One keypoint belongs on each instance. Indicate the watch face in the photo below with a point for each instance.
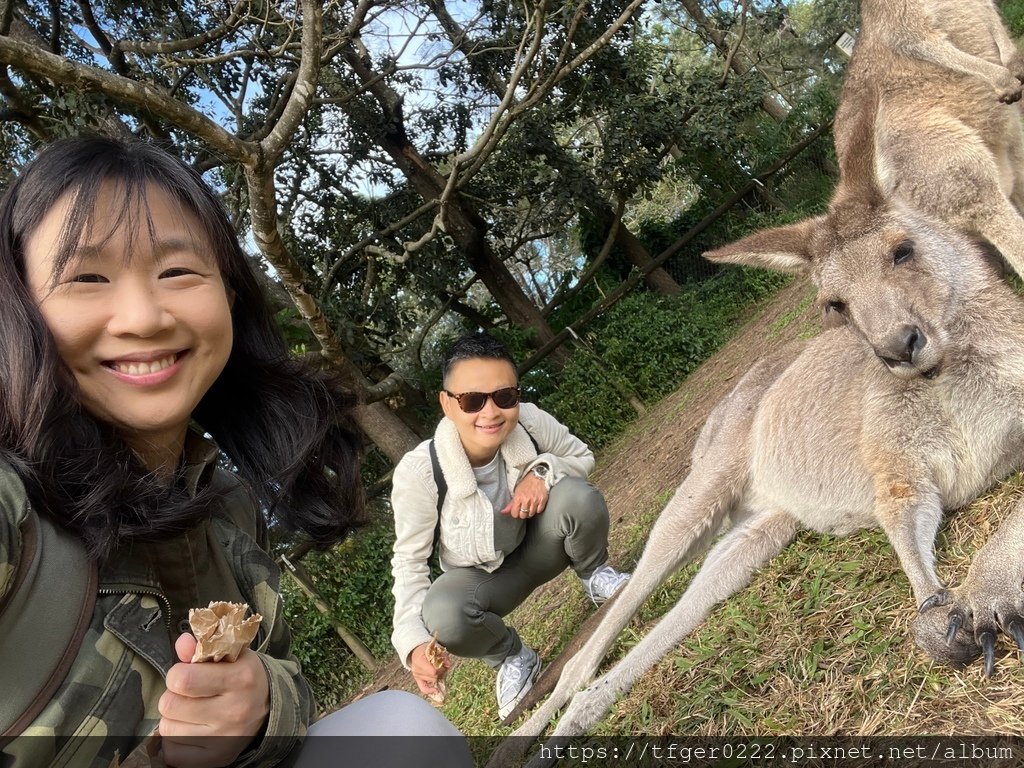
(541, 470)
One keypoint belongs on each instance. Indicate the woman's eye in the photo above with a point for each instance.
(176, 272)
(88, 278)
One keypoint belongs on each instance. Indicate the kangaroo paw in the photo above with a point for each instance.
(1016, 66)
(969, 627)
(1007, 87)
(947, 636)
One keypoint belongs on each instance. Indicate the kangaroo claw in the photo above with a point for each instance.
(1018, 634)
(987, 641)
(939, 598)
(956, 620)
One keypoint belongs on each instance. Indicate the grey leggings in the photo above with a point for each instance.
(390, 729)
(465, 606)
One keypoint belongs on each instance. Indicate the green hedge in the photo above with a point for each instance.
(354, 579)
(648, 344)
(1013, 14)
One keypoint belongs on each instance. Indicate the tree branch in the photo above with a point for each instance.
(304, 88)
(185, 44)
(27, 58)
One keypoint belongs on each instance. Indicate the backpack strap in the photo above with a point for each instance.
(43, 620)
(442, 491)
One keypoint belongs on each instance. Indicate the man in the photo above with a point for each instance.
(509, 484)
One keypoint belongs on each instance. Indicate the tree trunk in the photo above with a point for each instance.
(386, 430)
(658, 279)
(636, 253)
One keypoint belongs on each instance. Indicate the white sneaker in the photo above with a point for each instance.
(603, 583)
(516, 676)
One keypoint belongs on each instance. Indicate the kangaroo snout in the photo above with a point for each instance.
(901, 346)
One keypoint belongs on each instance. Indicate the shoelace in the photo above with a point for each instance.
(514, 673)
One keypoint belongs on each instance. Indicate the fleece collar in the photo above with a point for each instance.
(517, 451)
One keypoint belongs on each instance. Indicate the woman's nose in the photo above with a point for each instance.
(138, 311)
(490, 409)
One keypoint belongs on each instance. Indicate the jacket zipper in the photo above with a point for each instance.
(144, 591)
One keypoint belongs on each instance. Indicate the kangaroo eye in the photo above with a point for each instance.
(903, 252)
(835, 306)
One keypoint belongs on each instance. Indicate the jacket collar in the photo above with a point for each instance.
(198, 460)
(517, 451)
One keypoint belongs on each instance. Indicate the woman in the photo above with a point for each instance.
(501, 493)
(133, 324)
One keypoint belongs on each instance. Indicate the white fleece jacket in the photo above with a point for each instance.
(467, 517)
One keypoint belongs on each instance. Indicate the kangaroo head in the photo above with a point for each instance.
(894, 277)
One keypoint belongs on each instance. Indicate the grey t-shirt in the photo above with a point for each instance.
(492, 480)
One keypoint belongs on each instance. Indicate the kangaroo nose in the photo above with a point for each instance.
(903, 345)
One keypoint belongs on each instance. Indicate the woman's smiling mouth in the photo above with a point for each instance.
(145, 368)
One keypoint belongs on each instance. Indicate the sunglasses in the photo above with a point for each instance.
(471, 402)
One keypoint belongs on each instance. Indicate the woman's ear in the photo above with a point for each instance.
(447, 403)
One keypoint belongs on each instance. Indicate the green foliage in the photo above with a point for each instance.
(647, 344)
(598, 412)
(1013, 14)
(354, 579)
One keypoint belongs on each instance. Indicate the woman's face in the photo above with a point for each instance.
(143, 320)
(483, 432)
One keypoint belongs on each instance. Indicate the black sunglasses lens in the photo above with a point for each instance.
(471, 402)
(506, 398)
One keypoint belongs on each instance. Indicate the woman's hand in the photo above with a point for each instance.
(529, 498)
(424, 673)
(223, 699)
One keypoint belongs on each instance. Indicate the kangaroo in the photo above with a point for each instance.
(908, 405)
(936, 71)
(913, 405)
(964, 36)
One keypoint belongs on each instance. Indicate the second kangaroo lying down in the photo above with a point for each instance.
(931, 72)
(914, 405)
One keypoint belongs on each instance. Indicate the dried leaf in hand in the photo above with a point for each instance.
(439, 658)
(222, 631)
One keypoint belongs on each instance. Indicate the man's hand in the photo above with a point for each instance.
(529, 498)
(423, 672)
(222, 699)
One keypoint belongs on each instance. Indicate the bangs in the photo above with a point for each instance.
(99, 210)
(106, 193)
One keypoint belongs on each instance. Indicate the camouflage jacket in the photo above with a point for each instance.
(108, 701)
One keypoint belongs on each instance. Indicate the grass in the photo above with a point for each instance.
(783, 321)
(818, 644)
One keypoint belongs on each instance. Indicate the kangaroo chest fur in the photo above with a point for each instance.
(821, 452)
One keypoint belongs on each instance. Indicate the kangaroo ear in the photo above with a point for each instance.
(785, 248)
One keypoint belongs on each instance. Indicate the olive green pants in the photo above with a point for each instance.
(465, 606)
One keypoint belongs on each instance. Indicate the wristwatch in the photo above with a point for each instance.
(543, 471)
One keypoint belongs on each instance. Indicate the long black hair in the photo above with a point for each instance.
(287, 427)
